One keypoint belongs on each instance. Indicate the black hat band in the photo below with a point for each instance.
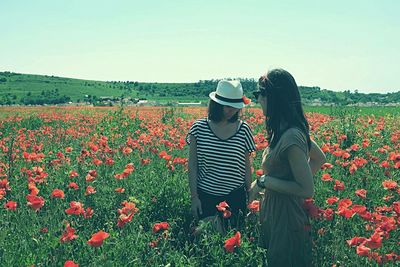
(230, 100)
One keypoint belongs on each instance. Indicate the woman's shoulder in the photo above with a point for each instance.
(245, 125)
(293, 136)
(293, 132)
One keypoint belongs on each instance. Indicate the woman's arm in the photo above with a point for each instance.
(192, 167)
(317, 158)
(248, 171)
(303, 186)
(192, 170)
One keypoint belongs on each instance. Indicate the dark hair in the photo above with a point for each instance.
(283, 103)
(216, 112)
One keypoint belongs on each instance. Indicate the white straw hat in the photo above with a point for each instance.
(229, 93)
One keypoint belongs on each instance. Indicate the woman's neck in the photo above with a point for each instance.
(222, 122)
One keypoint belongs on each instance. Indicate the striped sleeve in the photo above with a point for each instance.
(194, 130)
(249, 139)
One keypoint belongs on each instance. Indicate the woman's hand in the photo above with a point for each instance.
(196, 207)
(254, 191)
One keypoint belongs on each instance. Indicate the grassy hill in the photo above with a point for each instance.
(16, 88)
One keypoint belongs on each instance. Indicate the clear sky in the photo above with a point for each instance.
(338, 45)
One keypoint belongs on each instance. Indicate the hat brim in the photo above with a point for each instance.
(234, 105)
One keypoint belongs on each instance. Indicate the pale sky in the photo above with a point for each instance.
(336, 45)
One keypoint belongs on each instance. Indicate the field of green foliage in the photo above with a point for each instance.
(109, 187)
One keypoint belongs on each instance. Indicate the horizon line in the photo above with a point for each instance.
(183, 82)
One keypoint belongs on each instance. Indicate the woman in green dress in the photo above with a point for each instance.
(289, 163)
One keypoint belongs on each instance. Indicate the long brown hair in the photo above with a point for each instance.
(283, 104)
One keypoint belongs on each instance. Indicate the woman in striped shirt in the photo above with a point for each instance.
(219, 156)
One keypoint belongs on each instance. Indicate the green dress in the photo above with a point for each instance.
(285, 229)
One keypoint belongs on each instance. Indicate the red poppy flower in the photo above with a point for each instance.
(90, 178)
(33, 189)
(385, 164)
(343, 208)
(328, 214)
(57, 193)
(109, 161)
(73, 174)
(327, 165)
(35, 202)
(396, 207)
(126, 150)
(129, 168)
(346, 155)
(332, 200)
(68, 235)
(119, 190)
(345, 203)
(145, 161)
(70, 263)
(375, 241)
(160, 226)
(97, 162)
(88, 213)
(254, 206)
(73, 185)
(363, 250)
(355, 241)
(75, 207)
(339, 186)
(360, 209)
(397, 165)
(391, 256)
(5, 184)
(246, 100)
(226, 214)
(326, 177)
(365, 143)
(362, 193)
(97, 239)
(353, 168)
(389, 184)
(222, 206)
(92, 173)
(2, 193)
(345, 212)
(232, 242)
(355, 147)
(10, 205)
(126, 213)
(90, 190)
(259, 172)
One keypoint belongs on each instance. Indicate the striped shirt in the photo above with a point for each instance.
(221, 164)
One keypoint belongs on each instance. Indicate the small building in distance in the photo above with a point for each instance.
(190, 104)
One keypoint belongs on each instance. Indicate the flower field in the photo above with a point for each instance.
(109, 187)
